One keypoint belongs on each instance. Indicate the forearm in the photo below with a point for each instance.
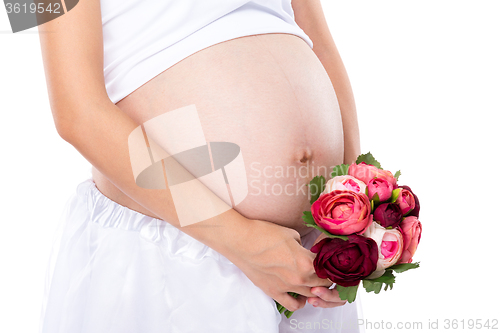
(85, 117)
(100, 132)
(270, 255)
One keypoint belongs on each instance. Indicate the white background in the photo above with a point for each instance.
(426, 79)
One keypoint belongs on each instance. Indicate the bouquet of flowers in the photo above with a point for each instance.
(371, 224)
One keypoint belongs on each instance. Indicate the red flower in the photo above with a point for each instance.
(345, 262)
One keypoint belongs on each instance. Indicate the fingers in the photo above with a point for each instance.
(295, 235)
(307, 268)
(326, 298)
(291, 303)
(318, 302)
(315, 281)
(302, 290)
(323, 293)
(329, 295)
(308, 278)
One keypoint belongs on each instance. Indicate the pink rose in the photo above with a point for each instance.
(381, 187)
(366, 172)
(345, 183)
(415, 211)
(390, 247)
(411, 228)
(342, 212)
(406, 201)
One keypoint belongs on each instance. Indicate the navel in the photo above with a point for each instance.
(305, 155)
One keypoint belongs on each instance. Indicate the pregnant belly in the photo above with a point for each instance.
(270, 95)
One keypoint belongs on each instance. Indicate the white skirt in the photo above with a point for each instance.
(114, 270)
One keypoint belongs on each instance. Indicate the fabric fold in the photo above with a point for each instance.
(115, 270)
(109, 214)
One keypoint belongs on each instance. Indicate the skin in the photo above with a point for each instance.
(85, 117)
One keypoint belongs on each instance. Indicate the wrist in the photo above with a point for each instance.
(251, 238)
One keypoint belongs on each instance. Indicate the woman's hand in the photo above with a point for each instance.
(272, 257)
(325, 297)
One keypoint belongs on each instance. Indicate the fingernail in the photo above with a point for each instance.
(315, 303)
(316, 292)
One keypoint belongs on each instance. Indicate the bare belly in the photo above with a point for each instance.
(270, 95)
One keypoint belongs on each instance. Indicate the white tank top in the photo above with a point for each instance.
(143, 38)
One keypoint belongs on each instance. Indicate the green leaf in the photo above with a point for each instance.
(347, 293)
(309, 221)
(368, 159)
(315, 226)
(316, 186)
(344, 238)
(397, 174)
(340, 170)
(403, 267)
(308, 218)
(375, 201)
(372, 286)
(376, 285)
(387, 277)
(395, 195)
